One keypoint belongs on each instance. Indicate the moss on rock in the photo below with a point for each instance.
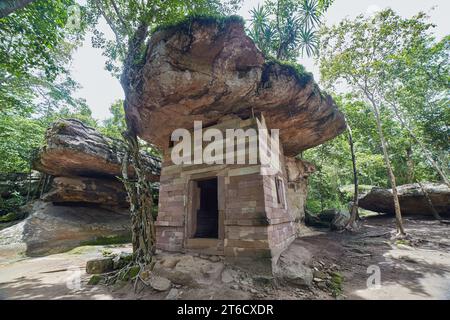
(185, 23)
(296, 70)
(101, 241)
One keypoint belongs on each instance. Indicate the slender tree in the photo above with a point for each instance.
(354, 209)
(355, 52)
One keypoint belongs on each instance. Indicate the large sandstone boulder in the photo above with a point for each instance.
(74, 149)
(204, 69)
(80, 190)
(412, 199)
(53, 229)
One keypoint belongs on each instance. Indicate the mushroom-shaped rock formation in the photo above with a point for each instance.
(203, 69)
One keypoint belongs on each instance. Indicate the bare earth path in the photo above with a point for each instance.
(415, 269)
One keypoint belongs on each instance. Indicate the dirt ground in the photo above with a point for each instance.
(417, 268)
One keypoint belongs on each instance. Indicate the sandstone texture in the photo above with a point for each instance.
(412, 199)
(105, 192)
(53, 229)
(74, 149)
(203, 70)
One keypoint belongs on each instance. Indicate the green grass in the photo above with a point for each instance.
(185, 23)
(295, 69)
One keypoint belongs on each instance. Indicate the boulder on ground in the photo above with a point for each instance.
(99, 266)
(412, 199)
(53, 229)
(104, 192)
(74, 149)
(334, 219)
(340, 220)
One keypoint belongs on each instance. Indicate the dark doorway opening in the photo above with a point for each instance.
(207, 225)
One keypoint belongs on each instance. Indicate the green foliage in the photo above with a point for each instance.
(12, 216)
(396, 64)
(35, 48)
(126, 16)
(30, 35)
(333, 160)
(35, 84)
(9, 207)
(115, 125)
(18, 137)
(336, 282)
(186, 22)
(95, 279)
(287, 28)
(295, 69)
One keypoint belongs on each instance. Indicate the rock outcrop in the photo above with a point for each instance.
(298, 172)
(331, 218)
(103, 192)
(294, 266)
(53, 229)
(86, 202)
(412, 199)
(74, 149)
(204, 69)
(85, 165)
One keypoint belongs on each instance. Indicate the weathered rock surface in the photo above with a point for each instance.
(187, 270)
(74, 149)
(104, 192)
(411, 197)
(99, 266)
(298, 172)
(203, 70)
(53, 229)
(331, 218)
(293, 266)
(160, 283)
(340, 220)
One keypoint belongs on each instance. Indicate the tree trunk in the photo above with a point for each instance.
(430, 203)
(354, 210)
(9, 6)
(398, 214)
(409, 165)
(139, 192)
(426, 152)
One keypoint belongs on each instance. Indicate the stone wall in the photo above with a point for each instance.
(254, 220)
